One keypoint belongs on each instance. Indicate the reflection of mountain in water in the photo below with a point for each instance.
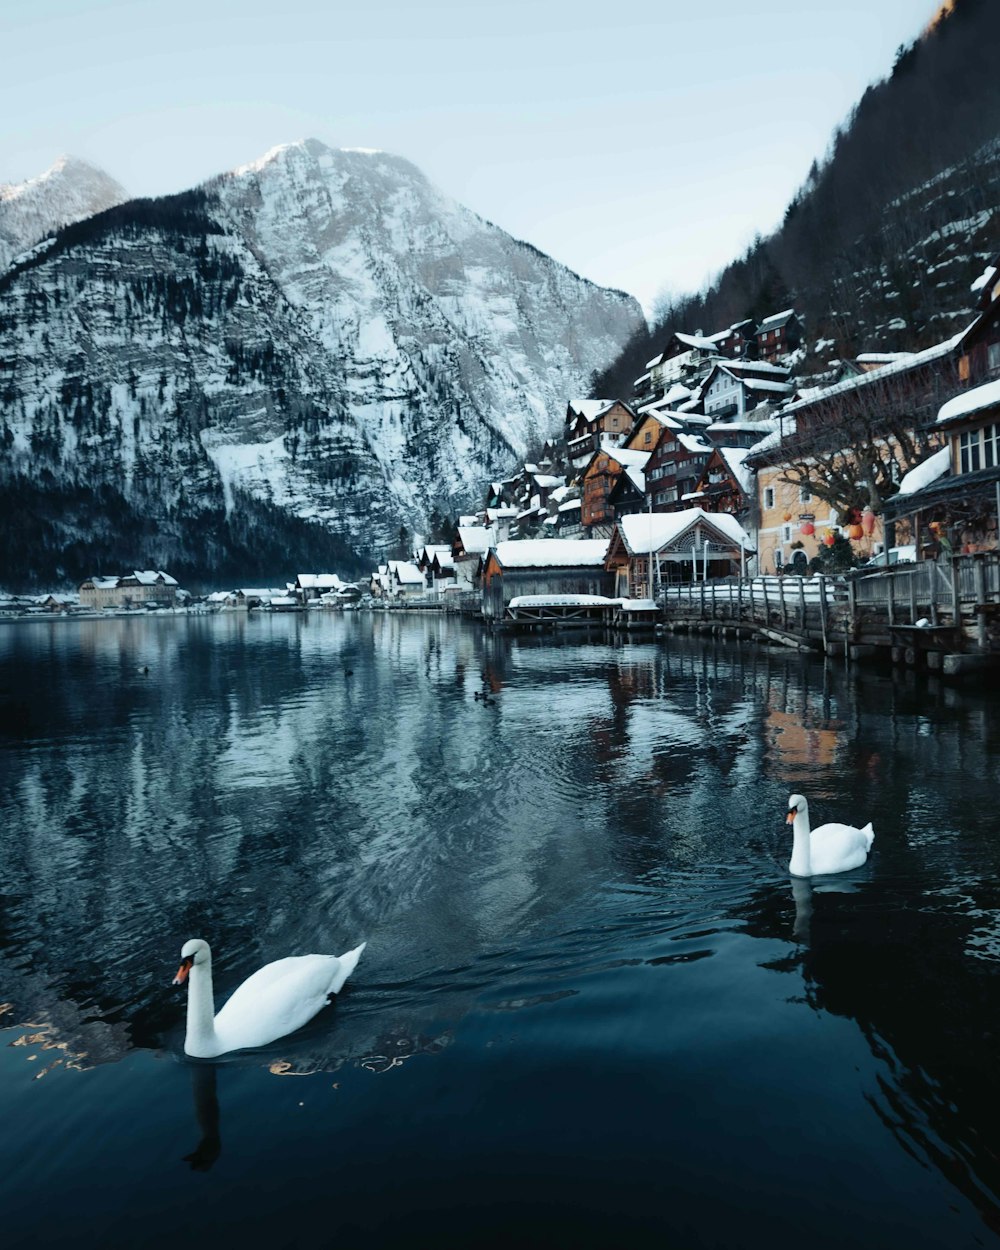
(245, 791)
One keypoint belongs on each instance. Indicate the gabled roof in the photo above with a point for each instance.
(968, 403)
(476, 539)
(589, 409)
(734, 458)
(929, 470)
(543, 553)
(647, 532)
(695, 444)
(776, 320)
(876, 376)
(406, 574)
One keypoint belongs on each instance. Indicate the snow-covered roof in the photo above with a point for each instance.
(570, 505)
(589, 408)
(149, 577)
(970, 402)
(539, 553)
(696, 341)
(645, 532)
(545, 480)
(784, 429)
(661, 411)
(561, 601)
(318, 581)
(694, 443)
(627, 457)
(876, 376)
(282, 601)
(776, 319)
(927, 471)
(984, 279)
(734, 457)
(476, 539)
(407, 574)
(637, 477)
(722, 428)
(104, 583)
(881, 358)
(764, 385)
(260, 592)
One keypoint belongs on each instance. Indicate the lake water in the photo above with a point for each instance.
(594, 1009)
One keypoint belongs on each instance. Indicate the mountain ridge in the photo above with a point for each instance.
(320, 336)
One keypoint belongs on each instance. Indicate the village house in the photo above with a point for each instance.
(141, 588)
(313, 586)
(591, 422)
(469, 547)
(790, 518)
(649, 551)
(779, 335)
(952, 500)
(549, 566)
(600, 475)
(735, 388)
(726, 484)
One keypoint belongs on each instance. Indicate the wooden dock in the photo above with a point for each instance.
(938, 615)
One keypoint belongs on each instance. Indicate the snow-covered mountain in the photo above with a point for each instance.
(69, 191)
(286, 364)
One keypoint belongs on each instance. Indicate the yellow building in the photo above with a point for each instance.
(784, 510)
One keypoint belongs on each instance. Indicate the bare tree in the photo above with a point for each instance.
(852, 446)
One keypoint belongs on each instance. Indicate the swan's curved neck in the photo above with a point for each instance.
(801, 864)
(200, 1037)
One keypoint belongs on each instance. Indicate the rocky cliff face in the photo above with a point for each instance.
(68, 192)
(280, 368)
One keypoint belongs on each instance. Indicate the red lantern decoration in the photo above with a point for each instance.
(788, 516)
(854, 532)
(829, 538)
(808, 528)
(868, 521)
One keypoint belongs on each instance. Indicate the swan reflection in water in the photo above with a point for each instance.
(803, 890)
(206, 1111)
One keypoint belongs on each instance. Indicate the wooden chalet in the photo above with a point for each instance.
(725, 484)
(546, 567)
(589, 422)
(599, 477)
(778, 335)
(649, 551)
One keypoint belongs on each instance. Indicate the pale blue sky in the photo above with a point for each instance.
(643, 144)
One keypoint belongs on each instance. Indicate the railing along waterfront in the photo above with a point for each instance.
(863, 606)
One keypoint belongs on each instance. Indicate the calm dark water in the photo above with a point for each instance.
(594, 1010)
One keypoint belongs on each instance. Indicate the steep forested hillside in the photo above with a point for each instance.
(881, 243)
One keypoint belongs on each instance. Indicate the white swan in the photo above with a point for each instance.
(277, 999)
(828, 849)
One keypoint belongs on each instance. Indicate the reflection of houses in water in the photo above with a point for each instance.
(800, 747)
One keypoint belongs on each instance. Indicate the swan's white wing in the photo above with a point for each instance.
(277, 999)
(838, 848)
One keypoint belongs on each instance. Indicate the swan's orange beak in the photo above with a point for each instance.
(790, 818)
(183, 971)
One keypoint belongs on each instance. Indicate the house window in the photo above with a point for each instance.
(979, 449)
(769, 497)
(786, 533)
(993, 356)
(805, 496)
